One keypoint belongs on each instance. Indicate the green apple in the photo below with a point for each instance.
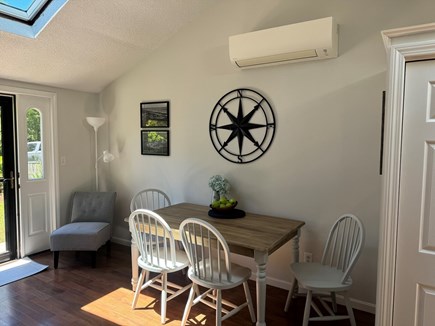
(223, 200)
(232, 201)
(215, 204)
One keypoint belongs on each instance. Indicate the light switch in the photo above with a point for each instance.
(63, 160)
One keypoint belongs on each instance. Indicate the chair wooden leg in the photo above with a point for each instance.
(290, 294)
(219, 308)
(163, 298)
(349, 309)
(249, 300)
(189, 303)
(138, 289)
(334, 302)
(94, 259)
(307, 308)
(56, 259)
(108, 248)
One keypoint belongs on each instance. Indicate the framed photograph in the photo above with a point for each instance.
(154, 114)
(155, 142)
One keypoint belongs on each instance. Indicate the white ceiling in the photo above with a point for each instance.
(88, 44)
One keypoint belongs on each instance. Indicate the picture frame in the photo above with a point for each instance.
(155, 142)
(154, 114)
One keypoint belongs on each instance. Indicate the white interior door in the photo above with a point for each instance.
(36, 172)
(414, 299)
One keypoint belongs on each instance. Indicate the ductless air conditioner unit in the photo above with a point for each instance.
(311, 40)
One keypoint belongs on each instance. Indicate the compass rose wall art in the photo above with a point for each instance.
(242, 126)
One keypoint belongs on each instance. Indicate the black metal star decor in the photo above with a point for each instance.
(242, 126)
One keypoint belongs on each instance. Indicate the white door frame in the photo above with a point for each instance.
(54, 172)
(402, 45)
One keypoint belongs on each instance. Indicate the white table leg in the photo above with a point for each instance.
(261, 261)
(295, 288)
(296, 247)
(134, 266)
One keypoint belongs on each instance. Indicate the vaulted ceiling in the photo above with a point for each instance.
(88, 44)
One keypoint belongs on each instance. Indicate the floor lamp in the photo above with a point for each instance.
(97, 122)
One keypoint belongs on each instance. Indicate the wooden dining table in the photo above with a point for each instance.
(254, 235)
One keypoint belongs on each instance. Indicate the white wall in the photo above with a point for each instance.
(75, 140)
(325, 157)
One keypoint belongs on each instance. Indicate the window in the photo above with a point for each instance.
(24, 10)
(27, 17)
(35, 154)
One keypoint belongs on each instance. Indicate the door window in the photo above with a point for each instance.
(35, 154)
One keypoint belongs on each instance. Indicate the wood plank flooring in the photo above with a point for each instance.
(76, 294)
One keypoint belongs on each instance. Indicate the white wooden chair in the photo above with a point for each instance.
(151, 199)
(158, 254)
(332, 274)
(210, 267)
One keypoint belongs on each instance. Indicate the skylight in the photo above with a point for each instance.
(27, 17)
(24, 10)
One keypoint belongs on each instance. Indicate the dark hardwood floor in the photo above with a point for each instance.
(76, 294)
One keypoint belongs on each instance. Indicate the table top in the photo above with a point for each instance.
(244, 235)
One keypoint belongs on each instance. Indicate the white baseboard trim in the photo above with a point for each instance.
(121, 241)
(276, 282)
(358, 304)
(363, 306)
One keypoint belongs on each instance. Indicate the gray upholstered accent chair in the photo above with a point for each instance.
(90, 227)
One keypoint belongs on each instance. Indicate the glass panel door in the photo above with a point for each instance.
(8, 220)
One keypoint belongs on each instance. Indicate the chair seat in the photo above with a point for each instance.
(315, 276)
(239, 274)
(159, 262)
(80, 236)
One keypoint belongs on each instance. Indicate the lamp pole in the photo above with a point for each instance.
(96, 158)
(96, 122)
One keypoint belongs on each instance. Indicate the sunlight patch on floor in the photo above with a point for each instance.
(115, 307)
(199, 319)
(13, 263)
